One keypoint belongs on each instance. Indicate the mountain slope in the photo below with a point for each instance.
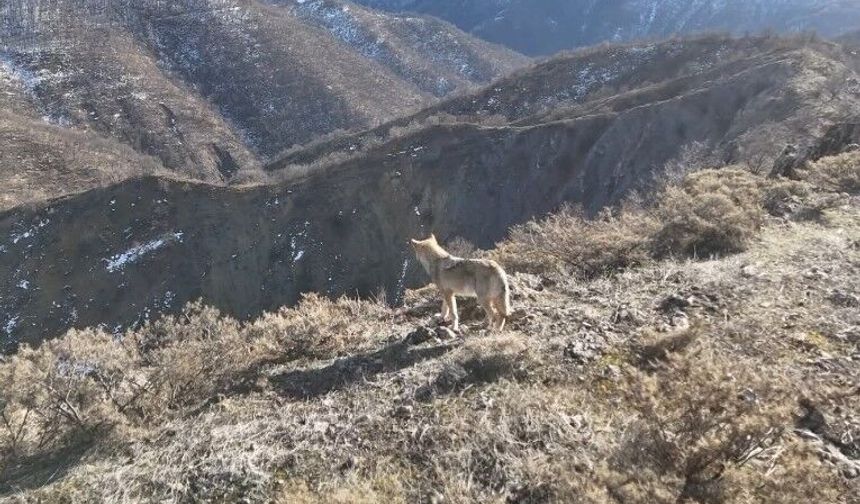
(104, 82)
(547, 26)
(339, 226)
(211, 88)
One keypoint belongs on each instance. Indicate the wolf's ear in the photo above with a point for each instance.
(432, 236)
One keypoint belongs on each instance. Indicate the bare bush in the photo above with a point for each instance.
(711, 212)
(702, 415)
(568, 241)
(708, 212)
(836, 173)
(321, 328)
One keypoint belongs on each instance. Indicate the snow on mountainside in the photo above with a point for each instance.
(210, 88)
(546, 26)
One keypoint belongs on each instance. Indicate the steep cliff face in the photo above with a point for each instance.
(547, 26)
(122, 254)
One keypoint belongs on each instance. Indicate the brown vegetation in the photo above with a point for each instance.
(709, 213)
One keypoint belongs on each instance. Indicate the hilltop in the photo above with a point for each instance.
(702, 347)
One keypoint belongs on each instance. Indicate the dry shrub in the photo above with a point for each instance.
(321, 328)
(69, 388)
(711, 212)
(781, 194)
(652, 351)
(382, 485)
(708, 425)
(522, 442)
(461, 247)
(836, 173)
(568, 241)
(189, 357)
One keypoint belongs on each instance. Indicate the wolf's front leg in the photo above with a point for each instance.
(452, 303)
(446, 308)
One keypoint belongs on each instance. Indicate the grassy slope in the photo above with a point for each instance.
(732, 379)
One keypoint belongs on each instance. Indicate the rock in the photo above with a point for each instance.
(787, 163)
(625, 314)
(419, 336)
(674, 303)
(813, 419)
(580, 352)
(850, 335)
(844, 299)
(403, 411)
(445, 333)
(680, 320)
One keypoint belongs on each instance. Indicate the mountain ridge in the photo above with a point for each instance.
(547, 26)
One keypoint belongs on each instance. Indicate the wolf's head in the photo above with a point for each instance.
(428, 250)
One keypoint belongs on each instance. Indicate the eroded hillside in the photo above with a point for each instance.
(635, 369)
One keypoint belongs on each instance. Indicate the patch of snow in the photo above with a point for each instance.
(341, 23)
(11, 324)
(401, 281)
(24, 284)
(19, 74)
(29, 81)
(29, 232)
(118, 262)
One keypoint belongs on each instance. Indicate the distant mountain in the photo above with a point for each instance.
(210, 88)
(547, 26)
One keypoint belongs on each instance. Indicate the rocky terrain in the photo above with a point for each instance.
(209, 90)
(325, 225)
(548, 26)
(701, 348)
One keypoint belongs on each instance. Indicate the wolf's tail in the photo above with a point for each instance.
(506, 305)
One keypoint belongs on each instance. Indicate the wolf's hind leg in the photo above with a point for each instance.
(499, 307)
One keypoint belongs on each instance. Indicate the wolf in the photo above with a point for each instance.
(455, 276)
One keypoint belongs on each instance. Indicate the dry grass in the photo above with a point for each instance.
(838, 173)
(91, 381)
(709, 213)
